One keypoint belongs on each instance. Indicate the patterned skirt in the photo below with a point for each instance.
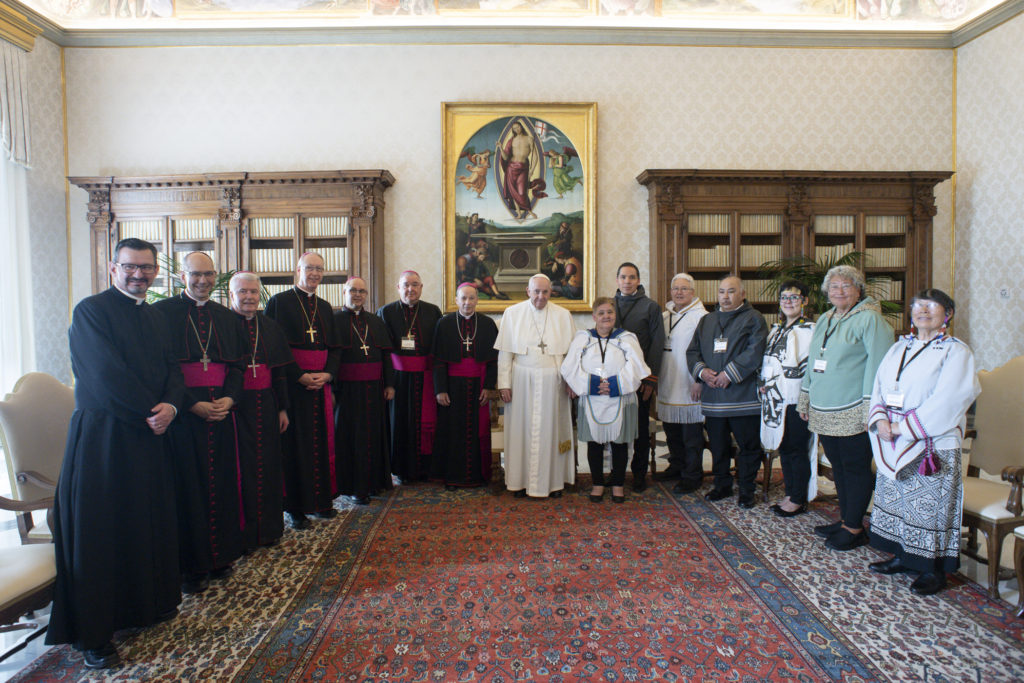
(917, 517)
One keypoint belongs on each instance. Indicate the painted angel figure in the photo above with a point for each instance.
(561, 170)
(479, 164)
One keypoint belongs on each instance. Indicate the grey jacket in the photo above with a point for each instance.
(745, 332)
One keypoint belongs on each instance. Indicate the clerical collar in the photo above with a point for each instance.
(354, 311)
(139, 300)
(308, 294)
(197, 301)
(466, 317)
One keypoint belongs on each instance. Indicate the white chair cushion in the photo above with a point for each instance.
(23, 569)
(986, 499)
(1019, 533)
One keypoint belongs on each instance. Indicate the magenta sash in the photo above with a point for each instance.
(195, 376)
(260, 381)
(361, 372)
(470, 367)
(428, 403)
(314, 361)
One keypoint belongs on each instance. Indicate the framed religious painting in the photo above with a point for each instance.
(520, 196)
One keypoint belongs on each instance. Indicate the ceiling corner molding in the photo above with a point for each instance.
(986, 22)
(17, 29)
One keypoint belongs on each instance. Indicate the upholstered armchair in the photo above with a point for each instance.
(34, 421)
(994, 507)
(27, 574)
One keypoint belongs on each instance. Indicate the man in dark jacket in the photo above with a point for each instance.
(725, 354)
(635, 312)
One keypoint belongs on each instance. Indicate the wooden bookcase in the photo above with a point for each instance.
(713, 223)
(248, 221)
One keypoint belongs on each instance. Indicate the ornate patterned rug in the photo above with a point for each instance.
(434, 586)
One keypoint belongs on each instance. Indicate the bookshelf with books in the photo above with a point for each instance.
(713, 223)
(248, 221)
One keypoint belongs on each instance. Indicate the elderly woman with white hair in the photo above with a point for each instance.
(678, 395)
(846, 349)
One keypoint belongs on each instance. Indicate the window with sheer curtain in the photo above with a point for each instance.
(17, 354)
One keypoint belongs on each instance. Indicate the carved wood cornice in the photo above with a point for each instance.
(691, 176)
(16, 28)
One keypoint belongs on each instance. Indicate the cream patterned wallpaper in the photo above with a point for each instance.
(990, 198)
(172, 110)
(48, 241)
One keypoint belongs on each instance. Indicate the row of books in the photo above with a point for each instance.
(753, 255)
(709, 223)
(834, 225)
(885, 225)
(891, 290)
(272, 260)
(759, 224)
(713, 257)
(886, 257)
(325, 226)
(833, 252)
(284, 227)
(151, 231)
(194, 229)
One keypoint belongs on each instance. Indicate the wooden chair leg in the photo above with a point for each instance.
(1018, 568)
(993, 546)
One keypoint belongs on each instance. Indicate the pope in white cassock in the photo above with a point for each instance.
(532, 340)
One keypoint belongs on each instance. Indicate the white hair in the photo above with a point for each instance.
(683, 276)
(243, 275)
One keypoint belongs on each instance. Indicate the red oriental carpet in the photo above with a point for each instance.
(434, 586)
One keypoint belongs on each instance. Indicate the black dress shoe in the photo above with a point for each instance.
(597, 497)
(166, 615)
(297, 520)
(521, 493)
(928, 583)
(717, 494)
(783, 512)
(450, 487)
(667, 475)
(640, 483)
(555, 494)
(746, 501)
(685, 487)
(890, 566)
(618, 499)
(194, 584)
(102, 657)
(222, 572)
(361, 500)
(329, 513)
(844, 541)
(826, 530)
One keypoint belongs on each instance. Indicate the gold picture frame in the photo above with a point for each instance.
(519, 197)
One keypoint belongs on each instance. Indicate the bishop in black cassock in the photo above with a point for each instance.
(209, 344)
(465, 375)
(365, 380)
(310, 479)
(262, 414)
(114, 527)
(413, 410)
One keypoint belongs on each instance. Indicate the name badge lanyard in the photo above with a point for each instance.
(721, 341)
(820, 363)
(783, 331)
(409, 340)
(672, 327)
(904, 363)
(604, 349)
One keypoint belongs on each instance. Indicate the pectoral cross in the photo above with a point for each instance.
(205, 360)
(253, 365)
(312, 334)
(366, 350)
(542, 346)
(467, 343)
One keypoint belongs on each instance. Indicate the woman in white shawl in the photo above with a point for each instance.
(604, 367)
(678, 395)
(782, 428)
(923, 388)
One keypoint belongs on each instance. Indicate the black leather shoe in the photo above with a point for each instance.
(450, 487)
(928, 583)
(685, 487)
(826, 530)
(843, 540)
(521, 493)
(555, 494)
(102, 657)
(717, 494)
(195, 584)
(782, 512)
(361, 500)
(890, 566)
(222, 572)
(297, 520)
(746, 501)
(329, 513)
(640, 483)
(597, 497)
(166, 616)
(667, 475)
(618, 499)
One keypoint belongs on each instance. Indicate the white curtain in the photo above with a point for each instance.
(14, 114)
(17, 347)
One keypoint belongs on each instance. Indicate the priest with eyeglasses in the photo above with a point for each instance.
(209, 344)
(366, 380)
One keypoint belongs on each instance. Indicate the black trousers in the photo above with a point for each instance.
(595, 457)
(746, 429)
(796, 464)
(642, 445)
(850, 457)
(686, 450)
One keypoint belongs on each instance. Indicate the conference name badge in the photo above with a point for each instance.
(894, 400)
(720, 344)
(820, 364)
(408, 344)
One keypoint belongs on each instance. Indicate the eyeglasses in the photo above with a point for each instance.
(682, 289)
(787, 298)
(146, 268)
(840, 286)
(357, 291)
(926, 306)
(202, 273)
(313, 269)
